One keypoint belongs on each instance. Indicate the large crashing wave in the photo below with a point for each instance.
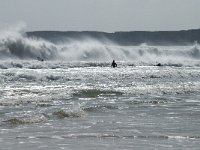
(14, 44)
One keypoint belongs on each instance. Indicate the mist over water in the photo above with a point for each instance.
(14, 44)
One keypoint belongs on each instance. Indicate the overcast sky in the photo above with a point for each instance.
(101, 15)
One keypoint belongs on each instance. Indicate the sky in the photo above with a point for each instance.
(101, 15)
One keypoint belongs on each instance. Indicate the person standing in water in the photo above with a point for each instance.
(114, 64)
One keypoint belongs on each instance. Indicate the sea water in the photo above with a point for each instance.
(75, 100)
(63, 105)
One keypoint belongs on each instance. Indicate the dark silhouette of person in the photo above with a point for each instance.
(159, 64)
(114, 64)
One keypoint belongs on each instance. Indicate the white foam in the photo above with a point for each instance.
(14, 44)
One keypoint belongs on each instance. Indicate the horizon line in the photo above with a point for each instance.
(113, 31)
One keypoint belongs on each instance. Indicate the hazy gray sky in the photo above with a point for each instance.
(101, 15)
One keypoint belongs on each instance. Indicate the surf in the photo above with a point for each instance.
(16, 45)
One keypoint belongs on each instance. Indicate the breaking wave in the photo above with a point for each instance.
(15, 44)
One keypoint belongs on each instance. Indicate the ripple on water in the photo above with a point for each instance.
(93, 93)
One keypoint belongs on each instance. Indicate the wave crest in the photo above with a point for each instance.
(17, 45)
(68, 114)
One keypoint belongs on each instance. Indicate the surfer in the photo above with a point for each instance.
(159, 64)
(114, 64)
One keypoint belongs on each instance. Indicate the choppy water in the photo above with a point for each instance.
(80, 105)
(75, 100)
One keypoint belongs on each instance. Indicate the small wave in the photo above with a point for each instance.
(29, 120)
(9, 74)
(105, 136)
(174, 88)
(53, 78)
(27, 77)
(152, 102)
(17, 65)
(99, 108)
(68, 114)
(37, 67)
(43, 105)
(194, 52)
(167, 64)
(96, 64)
(174, 65)
(154, 76)
(3, 66)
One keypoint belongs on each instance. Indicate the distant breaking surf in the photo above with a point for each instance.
(17, 45)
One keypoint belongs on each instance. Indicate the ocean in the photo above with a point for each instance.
(66, 96)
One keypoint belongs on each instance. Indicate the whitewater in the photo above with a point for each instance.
(71, 98)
